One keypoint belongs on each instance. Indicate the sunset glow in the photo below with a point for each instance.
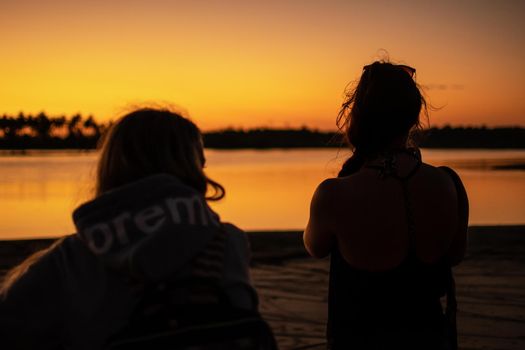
(247, 63)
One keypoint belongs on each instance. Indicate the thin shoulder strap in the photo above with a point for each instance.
(408, 203)
(388, 168)
(408, 207)
(409, 218)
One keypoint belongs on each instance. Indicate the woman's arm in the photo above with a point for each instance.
(458, 246)
(318, 238)
(30, 311)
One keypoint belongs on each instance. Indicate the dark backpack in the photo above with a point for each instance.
(206, 320)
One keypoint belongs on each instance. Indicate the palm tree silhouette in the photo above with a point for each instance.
(42, 125)
(75, 127)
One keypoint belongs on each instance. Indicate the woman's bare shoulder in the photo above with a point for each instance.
(323, 195)
(332, 188)
(439, 175)
(437, 170)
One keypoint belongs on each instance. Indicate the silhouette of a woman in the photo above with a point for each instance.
(392, 224)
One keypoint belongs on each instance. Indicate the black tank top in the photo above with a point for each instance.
(397, 308)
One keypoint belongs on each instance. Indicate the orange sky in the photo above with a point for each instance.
(258, 63)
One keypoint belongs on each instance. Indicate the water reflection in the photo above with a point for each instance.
(265, 189)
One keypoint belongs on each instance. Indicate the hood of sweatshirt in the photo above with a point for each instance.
(148, 229)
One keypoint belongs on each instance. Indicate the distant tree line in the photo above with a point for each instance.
(271, 138)
(43, 132)
(78, 132)
(445, 137)
(472, 137)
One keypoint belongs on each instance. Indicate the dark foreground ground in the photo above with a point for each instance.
(293, 288)
(490, 289)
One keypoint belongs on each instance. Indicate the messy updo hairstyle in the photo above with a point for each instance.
(382, 109)
(149, 141)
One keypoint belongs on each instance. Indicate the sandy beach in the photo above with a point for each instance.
(293, 287)
(490, 290)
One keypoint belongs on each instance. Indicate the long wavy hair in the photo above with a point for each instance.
(149, 141)
(382, 109)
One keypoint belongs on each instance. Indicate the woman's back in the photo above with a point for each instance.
(368, 215)
(390, 262)
(393, 225)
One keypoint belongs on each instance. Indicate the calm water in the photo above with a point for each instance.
(265, 189)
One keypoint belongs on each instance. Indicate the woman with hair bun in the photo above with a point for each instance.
(392, 224)
(149, 257)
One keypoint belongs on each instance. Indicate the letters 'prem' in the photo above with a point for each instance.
(181, 211)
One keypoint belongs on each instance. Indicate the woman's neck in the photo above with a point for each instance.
(394, 161)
